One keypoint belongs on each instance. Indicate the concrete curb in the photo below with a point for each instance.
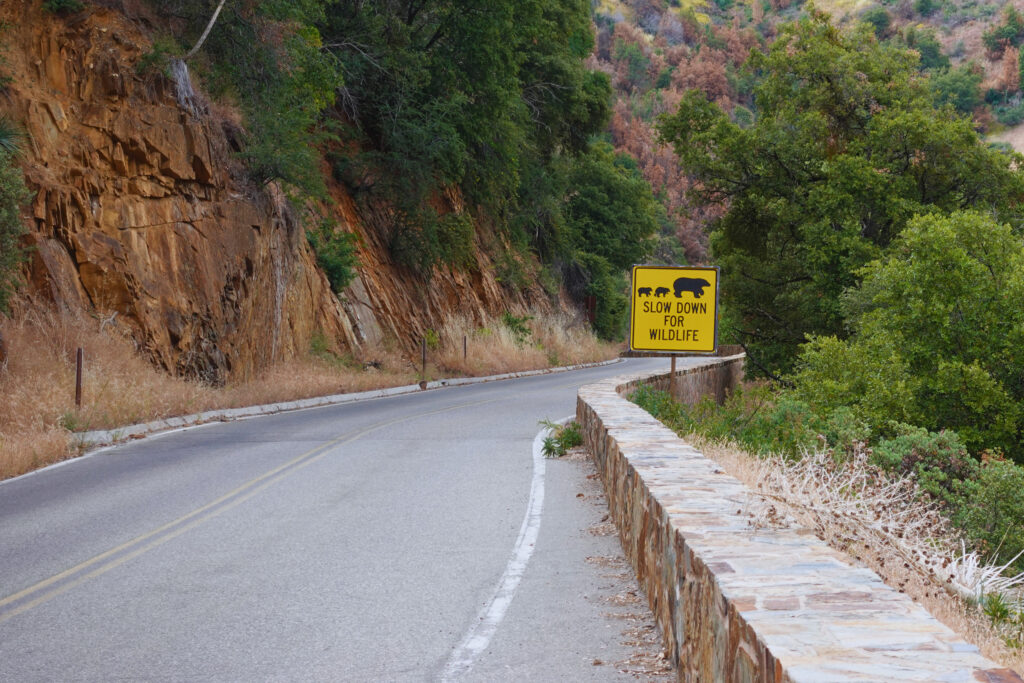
(106, 437)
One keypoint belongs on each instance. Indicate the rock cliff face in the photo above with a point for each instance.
(142, 210)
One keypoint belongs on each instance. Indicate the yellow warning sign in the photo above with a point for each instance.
(675, 309)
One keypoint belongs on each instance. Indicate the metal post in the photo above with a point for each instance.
(672, 379)
(79, 360)
(423, 361)
(465, 347)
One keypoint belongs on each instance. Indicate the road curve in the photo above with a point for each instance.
(358, 542)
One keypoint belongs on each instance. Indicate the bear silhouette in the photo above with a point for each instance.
(643, 291)
(661, 291)
(695, 285)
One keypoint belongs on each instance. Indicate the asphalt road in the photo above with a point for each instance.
(413, 538)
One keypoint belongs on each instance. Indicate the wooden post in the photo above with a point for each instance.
(423, 363)
(79, 360)
(672, 379)
(465, 347)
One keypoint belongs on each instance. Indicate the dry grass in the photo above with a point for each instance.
(38, 414)
(494, 347)
(880, 521)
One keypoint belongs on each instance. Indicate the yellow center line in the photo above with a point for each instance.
(241, 494)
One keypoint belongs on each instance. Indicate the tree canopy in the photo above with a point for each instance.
(846, 148)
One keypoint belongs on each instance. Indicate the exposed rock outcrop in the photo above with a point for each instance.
(142, 209)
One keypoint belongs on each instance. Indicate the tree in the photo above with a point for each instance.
(845, 150)
(960, 87)
(611, 211)
(937, 336)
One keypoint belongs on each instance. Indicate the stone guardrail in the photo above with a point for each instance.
(737, 603)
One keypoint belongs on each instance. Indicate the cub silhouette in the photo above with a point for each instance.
(661, 291)
(695, 285)
(643, 291)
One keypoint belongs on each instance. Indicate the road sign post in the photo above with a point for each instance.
(674, 309)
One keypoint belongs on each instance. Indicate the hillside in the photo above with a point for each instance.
(142, 208)
(654, 51)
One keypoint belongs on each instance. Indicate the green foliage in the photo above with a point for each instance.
(11, 137)
(562, 438)
(992, 509)
(63, 6)
(925, 7)
(846, 149)
(611, 211)
(1009, 114)
(518, 326)
(432, 339)
(421, 239)
(13, 196)
(878, 19)
(939, 460)
(335, 254)
(592, 275)
(927, 46)
(158, 56)
(1009, 32)
(474, 94)
(637, 63)
(754, 417)
(937, 334)
(959, 87)
(270, 57)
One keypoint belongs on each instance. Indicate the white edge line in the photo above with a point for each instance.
(493, 612)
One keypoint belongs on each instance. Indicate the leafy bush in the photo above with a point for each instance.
(937, 336)
(992, 510)
(13, 196)
(63, 6)
(879, 20)
(925, 7)
(960, 87)
(1009, 32)
(939, 460)
(335, 254)
(518, 326)
(1009, 114)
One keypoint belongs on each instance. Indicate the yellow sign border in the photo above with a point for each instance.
(633, 305)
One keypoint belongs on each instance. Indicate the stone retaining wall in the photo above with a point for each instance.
(743, 604)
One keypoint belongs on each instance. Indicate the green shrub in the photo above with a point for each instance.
(158, 56)
(518, 326)
(925, 7)
(1009, 114)
(937, 336)
(939, 460)
(63, 6)
(335, 254)
(432, 339)
(992, 511)
(13, 196)
(879, 20)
